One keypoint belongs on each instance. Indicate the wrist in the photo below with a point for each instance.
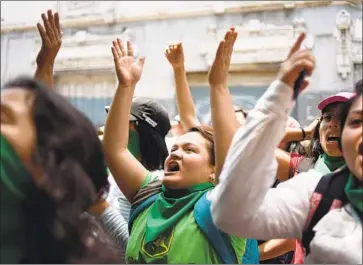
(218, 87)
(47, 66)
(303, 133)
(126, 87)
(178, 68)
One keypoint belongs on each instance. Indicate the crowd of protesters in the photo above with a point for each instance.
(250, 187)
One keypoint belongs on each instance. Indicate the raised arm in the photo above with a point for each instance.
(243, 203)
(184, 100)
(291, 135)
(224, 119)
(125, 168)
(51, 42)
(300, 134)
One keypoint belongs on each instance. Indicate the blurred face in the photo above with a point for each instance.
(176, 129)
(330, 130)
(352, 139)
(188, 163)
(17, 124)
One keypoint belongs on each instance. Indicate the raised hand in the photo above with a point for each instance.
(51, 39)
(219, 71)
(128, 71)
(310, 129)
(297, 61)
(175, 55)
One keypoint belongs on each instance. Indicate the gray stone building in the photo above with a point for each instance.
(84, 67)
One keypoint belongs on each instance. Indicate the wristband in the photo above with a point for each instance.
(303, 133)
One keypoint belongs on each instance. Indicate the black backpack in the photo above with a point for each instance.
(329, 194)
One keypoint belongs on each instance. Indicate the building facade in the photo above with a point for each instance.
(84, 70)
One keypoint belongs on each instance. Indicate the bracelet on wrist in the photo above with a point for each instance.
(303, 133)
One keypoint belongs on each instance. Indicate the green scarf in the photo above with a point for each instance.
(134, 144)
(170, 206)
(354, 193)
(15, 182)
(13, 172)
(333, 163)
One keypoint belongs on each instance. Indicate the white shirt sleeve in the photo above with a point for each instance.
(243, 203)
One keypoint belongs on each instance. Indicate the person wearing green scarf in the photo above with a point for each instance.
(15, 183)
(170, 207)
(166, 230)
(323, 210)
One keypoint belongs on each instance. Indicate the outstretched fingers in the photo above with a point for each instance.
(48, 27)
(121, 48)
(115, 54)
(130, 49)
(116, 45)
(43, 35)
(297, 44)
(57, 26)
(141, 61)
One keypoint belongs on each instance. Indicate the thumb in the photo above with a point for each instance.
(141, 61)
(304, 85)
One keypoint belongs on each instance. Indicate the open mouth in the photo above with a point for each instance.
(173, 167)
(332, 139)
(360, 149)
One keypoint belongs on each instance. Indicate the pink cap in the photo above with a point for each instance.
(340, 97)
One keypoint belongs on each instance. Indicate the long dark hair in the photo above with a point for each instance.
(70, 155)
(346, 107)
(153, 148)
(315, 146)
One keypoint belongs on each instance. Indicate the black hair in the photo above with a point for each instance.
(296, 147)
(70, 155)
(153, 148)
(346, 107)
(315, 146)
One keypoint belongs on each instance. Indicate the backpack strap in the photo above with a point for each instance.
(219, 240)
(252, 252)
(328, 195)
(135, 211)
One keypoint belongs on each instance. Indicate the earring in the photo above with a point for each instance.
(211, 180)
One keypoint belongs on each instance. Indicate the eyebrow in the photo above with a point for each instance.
(356, 112)
(184, 144)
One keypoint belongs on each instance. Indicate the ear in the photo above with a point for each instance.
(212, 176)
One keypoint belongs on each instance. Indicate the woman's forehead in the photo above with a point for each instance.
(190, 138)
(334, 107)
(16, 94)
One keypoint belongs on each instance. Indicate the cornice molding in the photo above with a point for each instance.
(113, 17)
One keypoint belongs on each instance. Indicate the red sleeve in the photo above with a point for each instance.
(295, 160)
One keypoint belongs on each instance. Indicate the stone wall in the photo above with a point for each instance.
(266, 32)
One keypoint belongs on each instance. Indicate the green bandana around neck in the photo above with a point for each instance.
(354, 193)
(14, 175)
(333, 163)
(170, 206)
(15, 183)
(134, 144)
